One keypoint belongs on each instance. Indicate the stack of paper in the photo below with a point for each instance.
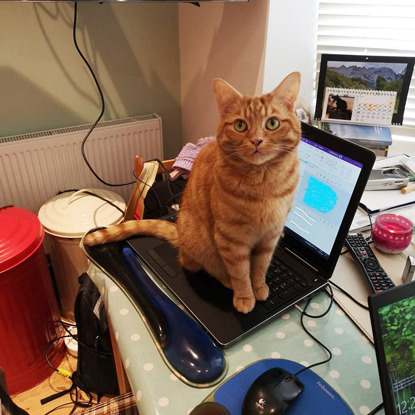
(376, 138)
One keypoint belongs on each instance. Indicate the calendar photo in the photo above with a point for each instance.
(363, 89)
(358, 106)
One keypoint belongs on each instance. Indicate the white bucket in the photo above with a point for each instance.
(66, 218)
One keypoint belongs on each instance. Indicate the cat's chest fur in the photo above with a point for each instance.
(256, 198)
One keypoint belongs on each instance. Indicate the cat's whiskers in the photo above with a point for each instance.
(233, 154)
(284, 147)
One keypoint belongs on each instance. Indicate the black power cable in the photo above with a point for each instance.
(349, 295)
(102, 100)
(303, 314)
(330, 355)
(72, 390)
(101, 95)
(378, 408)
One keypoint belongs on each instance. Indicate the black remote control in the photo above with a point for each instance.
(361, 251)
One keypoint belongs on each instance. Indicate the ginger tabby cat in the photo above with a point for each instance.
(239, 193)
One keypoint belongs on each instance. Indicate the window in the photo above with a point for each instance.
(369, 27)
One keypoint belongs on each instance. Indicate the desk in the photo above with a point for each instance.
(352, 372)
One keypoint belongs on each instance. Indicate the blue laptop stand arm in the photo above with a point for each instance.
(108, 259)
(187, 349)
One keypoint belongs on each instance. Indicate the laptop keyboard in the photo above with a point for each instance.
(283, 284)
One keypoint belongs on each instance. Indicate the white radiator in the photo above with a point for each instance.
(35, 166)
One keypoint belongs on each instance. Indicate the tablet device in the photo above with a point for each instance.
(392, 314)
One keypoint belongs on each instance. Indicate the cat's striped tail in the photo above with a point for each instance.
(154, 227)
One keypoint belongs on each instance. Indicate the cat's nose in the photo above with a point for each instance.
(256, 141)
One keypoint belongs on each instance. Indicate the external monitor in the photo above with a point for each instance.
(363, 89)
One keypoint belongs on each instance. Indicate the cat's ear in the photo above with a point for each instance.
(287, 90)
(225, 94)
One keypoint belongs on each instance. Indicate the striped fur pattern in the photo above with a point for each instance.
(239, 193)
(159, 228)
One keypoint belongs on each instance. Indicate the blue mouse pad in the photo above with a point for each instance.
(318, 398)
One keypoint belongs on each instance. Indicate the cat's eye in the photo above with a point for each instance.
(272, 124)
(240, 126)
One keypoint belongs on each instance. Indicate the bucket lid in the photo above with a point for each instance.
(71, 214)
(21, 233)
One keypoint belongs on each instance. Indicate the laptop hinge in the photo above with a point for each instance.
(301, 259)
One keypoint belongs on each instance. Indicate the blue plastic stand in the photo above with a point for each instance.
(318, 398)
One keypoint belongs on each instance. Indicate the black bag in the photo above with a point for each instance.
(95, 370)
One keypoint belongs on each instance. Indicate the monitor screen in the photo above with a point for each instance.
(368, 90)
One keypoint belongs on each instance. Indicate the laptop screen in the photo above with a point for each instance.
(333, 175)
(327, 181)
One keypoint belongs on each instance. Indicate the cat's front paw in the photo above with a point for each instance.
(261, 293)
(244, 304)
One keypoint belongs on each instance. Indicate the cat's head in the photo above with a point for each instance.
(257, 130)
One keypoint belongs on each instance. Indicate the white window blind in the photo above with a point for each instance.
(369, 27)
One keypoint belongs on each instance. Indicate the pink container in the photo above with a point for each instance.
(392, 233)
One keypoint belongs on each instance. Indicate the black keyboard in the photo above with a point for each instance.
(283, 284)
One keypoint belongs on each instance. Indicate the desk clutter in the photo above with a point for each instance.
(156, 312)
(211, 371)
(161, 341)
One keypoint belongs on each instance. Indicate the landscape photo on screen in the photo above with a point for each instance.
(362, 92)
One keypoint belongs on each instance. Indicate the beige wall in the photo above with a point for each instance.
(133, 48)
(225, 40)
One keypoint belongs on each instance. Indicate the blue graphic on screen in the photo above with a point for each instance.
(320, 196)
(327, 182)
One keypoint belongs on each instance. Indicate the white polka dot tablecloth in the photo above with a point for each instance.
(352, 372)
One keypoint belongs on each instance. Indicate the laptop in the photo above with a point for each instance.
(333, 173)
(392, 314)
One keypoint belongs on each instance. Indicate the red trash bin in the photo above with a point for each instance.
(29, 316)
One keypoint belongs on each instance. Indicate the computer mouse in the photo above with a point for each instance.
(210, 408)
(272, 393)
